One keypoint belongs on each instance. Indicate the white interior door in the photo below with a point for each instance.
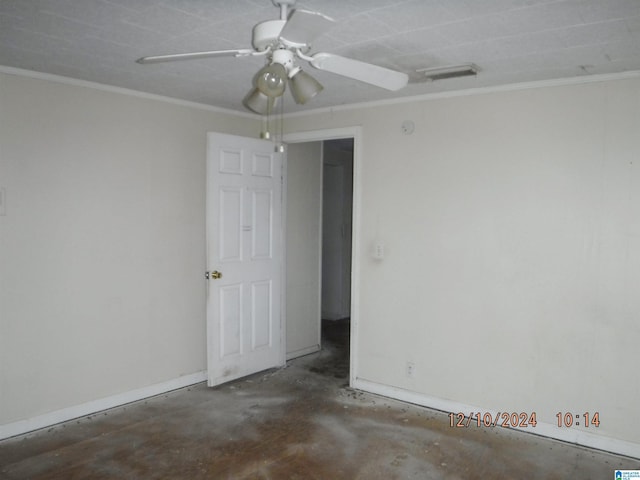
(244, 249)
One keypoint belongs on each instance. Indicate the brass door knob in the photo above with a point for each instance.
(215, 275)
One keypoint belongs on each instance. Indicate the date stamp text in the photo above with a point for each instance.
(520, 419)
(489, 419)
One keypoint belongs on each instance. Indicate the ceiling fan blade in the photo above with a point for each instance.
(195, 55)
(303, 27)
(365, 72)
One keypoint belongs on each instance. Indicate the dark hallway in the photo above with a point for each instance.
(334, 361)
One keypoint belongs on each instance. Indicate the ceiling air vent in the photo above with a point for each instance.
(453, 71)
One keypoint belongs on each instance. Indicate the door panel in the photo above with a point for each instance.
(262, 165)
(230, 231)
(244, 212)
(230, 300)
(262, 201)
(262, 322)
(231, 161)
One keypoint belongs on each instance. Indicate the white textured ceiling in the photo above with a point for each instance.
(510, 40)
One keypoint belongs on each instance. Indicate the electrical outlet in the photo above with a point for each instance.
(411, 369)
(378, 250)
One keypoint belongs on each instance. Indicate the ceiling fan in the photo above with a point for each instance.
(282, 42)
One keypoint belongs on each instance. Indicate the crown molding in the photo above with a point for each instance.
(579, 80)
(123, 91)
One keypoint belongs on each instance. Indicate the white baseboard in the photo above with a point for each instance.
(58, 416)
(302, 352)
(585, 439)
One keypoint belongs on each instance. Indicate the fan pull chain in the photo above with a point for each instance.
(264, 134)
(279, 146)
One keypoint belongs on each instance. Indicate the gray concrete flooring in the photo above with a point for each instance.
(299, 422)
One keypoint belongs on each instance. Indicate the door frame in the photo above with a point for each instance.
(334, 134)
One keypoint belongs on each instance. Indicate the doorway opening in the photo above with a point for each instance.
(304, 247)
(323, 165)
(337, 227)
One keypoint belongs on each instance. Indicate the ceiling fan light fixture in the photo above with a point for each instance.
(284, 41)
(259, 102)
(271, 80)
(303, 86)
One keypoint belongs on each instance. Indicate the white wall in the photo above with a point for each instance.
(303, 246)
(102, 251)
(511, 280)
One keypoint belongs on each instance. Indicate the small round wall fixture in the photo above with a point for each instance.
(407, 127)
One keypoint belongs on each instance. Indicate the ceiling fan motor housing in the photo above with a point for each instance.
(283, 57)
(266, 34)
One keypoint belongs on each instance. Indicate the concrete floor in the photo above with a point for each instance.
(299, 422)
